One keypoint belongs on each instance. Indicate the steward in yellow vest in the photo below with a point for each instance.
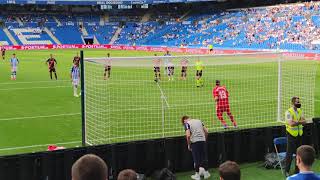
(294, 127)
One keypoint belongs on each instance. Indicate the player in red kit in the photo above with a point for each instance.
(52, 66)
(221, 96)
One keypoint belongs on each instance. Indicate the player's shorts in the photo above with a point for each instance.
(3, 53)
(156, 69)
(52, 69)
(199, 73)
(184, 69)
(107, 68)
(222, 108)
(14, 68)
(75, 82)
(170, 70)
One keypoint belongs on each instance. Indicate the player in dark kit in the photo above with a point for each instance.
(52, 66)
(3, 52)
(76, 60)
(184, 67)
(156, 67)
(107, 67)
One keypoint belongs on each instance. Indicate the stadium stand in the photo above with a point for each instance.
(292, 27)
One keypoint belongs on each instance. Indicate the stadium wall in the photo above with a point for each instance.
(303, 54)
(148, 156)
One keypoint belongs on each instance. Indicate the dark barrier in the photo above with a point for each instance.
(148, 156)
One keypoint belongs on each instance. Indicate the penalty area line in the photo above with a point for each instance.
(38, 145)
(44, 87)
(34, 82)
(35, 117)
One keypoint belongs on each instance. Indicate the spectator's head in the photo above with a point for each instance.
(89, 167)
(296, 101)
(127, 174)
(14, 55)
(229, 170)
(305, 157)
(184, 119)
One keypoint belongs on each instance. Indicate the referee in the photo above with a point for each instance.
(196, 135)
(294, 127)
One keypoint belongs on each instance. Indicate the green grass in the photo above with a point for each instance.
(36, 111)
(250, 171)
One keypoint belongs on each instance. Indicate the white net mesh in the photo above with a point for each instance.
(131, 105)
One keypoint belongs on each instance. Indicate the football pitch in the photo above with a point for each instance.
(37, 111)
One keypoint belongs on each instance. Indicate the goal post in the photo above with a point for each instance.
(127, 98)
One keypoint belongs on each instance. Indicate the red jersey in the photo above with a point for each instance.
(222, 95)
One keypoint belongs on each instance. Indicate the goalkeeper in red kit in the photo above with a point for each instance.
(221, 96)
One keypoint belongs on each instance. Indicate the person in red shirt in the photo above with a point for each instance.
(221, 96)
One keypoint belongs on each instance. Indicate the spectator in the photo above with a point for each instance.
(305, 158)
(89, 167)
(229, 170)
(127, 174)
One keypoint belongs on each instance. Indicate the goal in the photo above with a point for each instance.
(135, 104)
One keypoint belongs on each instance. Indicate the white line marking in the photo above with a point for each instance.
(31, 82)
(44, 87)
(38, 145)
(35, 117)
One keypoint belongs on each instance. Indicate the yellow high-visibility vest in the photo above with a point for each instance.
(295, 130)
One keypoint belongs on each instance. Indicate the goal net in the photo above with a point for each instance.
(138, 101)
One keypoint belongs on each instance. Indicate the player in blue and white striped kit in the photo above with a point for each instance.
(75, 77)
(14, 61)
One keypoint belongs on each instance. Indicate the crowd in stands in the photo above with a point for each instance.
(292, 26)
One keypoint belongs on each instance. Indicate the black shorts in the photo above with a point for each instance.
(3, 53)
(199, 73)
(156, 69)
(170, 70)
(108, 68)
(52, 70)
(184, 69)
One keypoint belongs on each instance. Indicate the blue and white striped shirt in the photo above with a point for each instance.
(14, 62)
(75, 73)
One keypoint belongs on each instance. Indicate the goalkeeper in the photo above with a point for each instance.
(199, 68)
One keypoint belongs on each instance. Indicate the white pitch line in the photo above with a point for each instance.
(35, 117)
(44, 87)
(31, 82)
(38, 145)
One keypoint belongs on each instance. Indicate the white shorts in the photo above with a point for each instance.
(14, 68)
(75, 82)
